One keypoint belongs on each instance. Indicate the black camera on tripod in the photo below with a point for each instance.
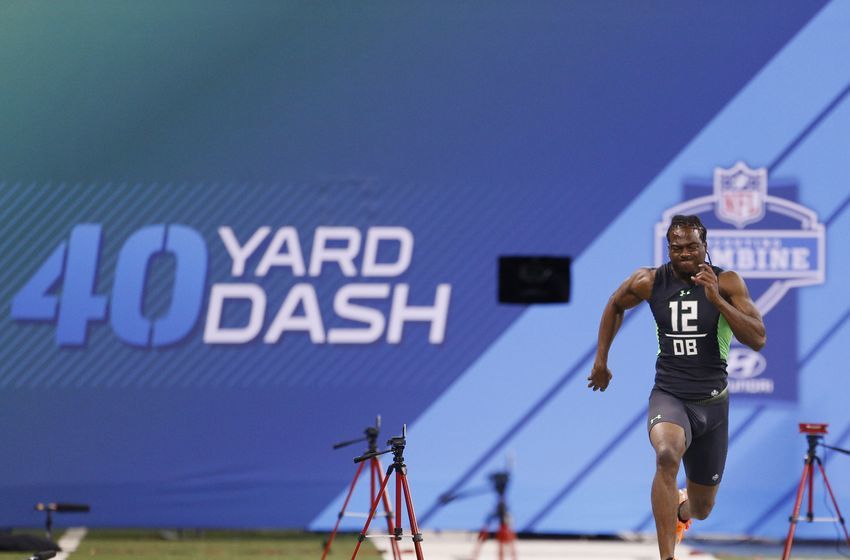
(500, 481)
(397, 441)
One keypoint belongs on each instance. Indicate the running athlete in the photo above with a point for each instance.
(697, 308)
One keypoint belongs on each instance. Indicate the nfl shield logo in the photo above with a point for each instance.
(740, 193)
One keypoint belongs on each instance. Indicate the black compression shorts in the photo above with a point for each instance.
(706, 426)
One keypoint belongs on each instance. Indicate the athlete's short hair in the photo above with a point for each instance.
(687, 221)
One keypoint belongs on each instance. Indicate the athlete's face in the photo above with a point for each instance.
(687, 251)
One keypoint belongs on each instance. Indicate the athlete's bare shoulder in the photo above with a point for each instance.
(641, 281)
(732, 286)
(646, 273)
(730, 277)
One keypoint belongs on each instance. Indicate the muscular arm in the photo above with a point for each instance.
(637, 288)
(730, 295)
(740, 311)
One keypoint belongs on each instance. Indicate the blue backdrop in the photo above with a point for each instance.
(232, 234)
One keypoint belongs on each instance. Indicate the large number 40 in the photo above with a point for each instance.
(74, 264)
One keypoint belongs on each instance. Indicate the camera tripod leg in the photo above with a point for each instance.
(398, 529)
(372, 511)
(507, 539)
(376, 475)
(810, 512)
(798, 501)
(483, 535)
(414, 526)
(342, 511)
(834, 503)
(512, 547)
(48, 525)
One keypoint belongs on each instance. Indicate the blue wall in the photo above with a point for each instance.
(474, 132)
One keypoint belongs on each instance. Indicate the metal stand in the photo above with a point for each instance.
(58, 508)
(376, 480)
(396, 444)
(808, 477)
(505, 534)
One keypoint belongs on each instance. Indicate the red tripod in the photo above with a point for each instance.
(504, 533)
(814, 433)
(396, 444)
(376, 480)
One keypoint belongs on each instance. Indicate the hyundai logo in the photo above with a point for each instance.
(743, 363)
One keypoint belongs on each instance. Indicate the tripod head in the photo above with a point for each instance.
(396, 444)
(813, 429)
(814, 434)
(500, 481)
(371, 437)
(53, 507)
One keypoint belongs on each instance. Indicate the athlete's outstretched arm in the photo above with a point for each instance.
(730, 295)
(637, 288)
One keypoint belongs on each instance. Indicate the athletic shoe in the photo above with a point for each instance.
(681, 526)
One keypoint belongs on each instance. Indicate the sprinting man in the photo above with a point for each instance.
(697, 308)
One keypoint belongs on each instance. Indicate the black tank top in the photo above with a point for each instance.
(693, 338)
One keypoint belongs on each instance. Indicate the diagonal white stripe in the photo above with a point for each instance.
(70, 541)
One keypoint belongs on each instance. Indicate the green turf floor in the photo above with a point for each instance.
(224, 545)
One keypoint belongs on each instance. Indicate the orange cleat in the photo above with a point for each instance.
(681, 526)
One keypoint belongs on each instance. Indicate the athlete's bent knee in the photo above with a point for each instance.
(700, 508)
(667, 457)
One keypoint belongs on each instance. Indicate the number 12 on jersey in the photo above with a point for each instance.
(687, 320)
(689, 313)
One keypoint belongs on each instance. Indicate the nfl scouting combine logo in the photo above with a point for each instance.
(775, 244)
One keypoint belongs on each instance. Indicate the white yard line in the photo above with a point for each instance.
(70, 541)
(459, 546)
